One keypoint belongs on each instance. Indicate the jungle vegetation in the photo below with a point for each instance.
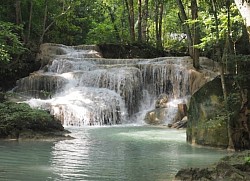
(218, 29)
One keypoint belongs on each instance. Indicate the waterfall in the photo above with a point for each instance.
(79, 87)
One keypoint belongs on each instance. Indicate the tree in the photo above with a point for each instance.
(144, 25)
(131, 18)
(139, 20)
(46, 25)
(193, 36)
(159, 4)
(183, 18)
(196, 34)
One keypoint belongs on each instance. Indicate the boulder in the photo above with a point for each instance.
(208, 118)
(156, 116)
(230, 168)
(162, 101)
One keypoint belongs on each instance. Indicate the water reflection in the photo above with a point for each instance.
(104, 153)
(127, 153)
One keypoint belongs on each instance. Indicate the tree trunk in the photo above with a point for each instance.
(18, 12)
(183, 19)
(131, 19)
(44, 21)
(46, 28)
(144, 21)
(30, 21)
(244, 8)
(196, 34)
(159, 40)
(139, 21)
(157, 22)
(222, 76)
(217, 33)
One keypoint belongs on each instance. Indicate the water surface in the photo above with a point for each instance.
(136, 153)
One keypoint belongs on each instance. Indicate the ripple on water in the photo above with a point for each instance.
(138, 153)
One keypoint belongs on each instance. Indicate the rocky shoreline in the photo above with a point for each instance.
(235, 167)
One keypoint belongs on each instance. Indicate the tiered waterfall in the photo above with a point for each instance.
(79, 87)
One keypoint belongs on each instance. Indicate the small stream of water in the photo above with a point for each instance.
(114, 153)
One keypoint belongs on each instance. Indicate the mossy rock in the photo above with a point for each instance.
(229, 168)
(207, 115)
(16, 118)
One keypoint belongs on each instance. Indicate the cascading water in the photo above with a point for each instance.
(81, 88)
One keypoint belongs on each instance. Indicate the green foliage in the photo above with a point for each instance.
(208, 27)
(15, 118)
(175, 42)
(247, 160)
(101, 33)
(4, 55)
(10, 44)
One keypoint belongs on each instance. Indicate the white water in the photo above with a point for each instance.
(83, 89)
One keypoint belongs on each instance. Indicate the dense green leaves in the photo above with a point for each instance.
(93, 22)
(10, 44)
(16, 118)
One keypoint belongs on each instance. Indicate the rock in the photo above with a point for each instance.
(181, 113)
(159, 114)
(207, 117)
(162, 101)
(229, 168)
(40, 85)
(180, 124)
(48, 51)
(207, 122)
(156, 116)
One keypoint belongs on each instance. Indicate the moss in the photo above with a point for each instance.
(208, 117)
(16, 118)
(213, 132)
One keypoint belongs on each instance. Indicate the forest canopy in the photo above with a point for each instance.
(195, 27)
